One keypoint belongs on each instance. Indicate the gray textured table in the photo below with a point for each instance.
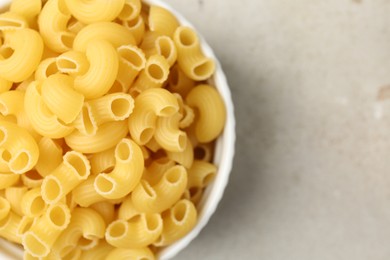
(311, 179)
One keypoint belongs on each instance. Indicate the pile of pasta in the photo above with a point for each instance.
(107, 128)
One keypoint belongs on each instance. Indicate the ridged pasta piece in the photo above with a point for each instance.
(107, 136)
(177, 222)
(12, 104)
(114, 33)
(178, 82)
(99, 252)
(111, 107)
(185, 158)
(149, 41)
(103, 10)
(12, 21)
(72, 62)
(85, 122)
(85, 229)
(137, 27)
(161, 196)
(193, 194)
(162, 21)
(8, 179)
(60, 97)
(131, 62)
(24, 225)
(166, 48)
(103, 161)
(74, 169)
(46, 68)
(137, 232)
(32, 203)
(98, 79)
(148, 105)
(40, 238)
(75, 26)
(27, 8)
(8, 227)
(190, 57)
(131, 10)
(50, 156)
(106, 210)
(5, 85)
(41, 118)
(168, 134)
(210, 122)
(126, 174)
(22, 149)
(201, 174)
(14, 195)
(52, 22)
(85, 194)
(154, 75)
(187, 114)
(5, 208)
(28, 48)
(32, 179)
(127, 210)
(153, 146)
(134, 254)
(154, 172)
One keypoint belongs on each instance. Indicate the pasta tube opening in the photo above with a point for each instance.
(67, 39)
(105, 184)
(78, 162)
(32, 203)
(179, 211)
(5, 155)
(52, 189)
(24, 225)
(6, 51)
(117, 229)
(132, 56)
(58, 216)
(3, 136)
(204, 69)
(187, 37)
(20, 162)
(35, 246)
(12, 21)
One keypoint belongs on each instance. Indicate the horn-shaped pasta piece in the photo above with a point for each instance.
(72, 62)
(156, 170)
(32, 179)
(28, 48)
(98, 79)
(136, 253)
(42, 235)
(103, 161)
(131, 10)
(9, 226)
(85, 229)
(168, 134)
(85, 194)
(74, 169)
(7, 179)
(129, 165)
(162, 21)
(127, 210)
(131, 62)
(177, 222)
(12, 21)
(32, 203)
(185, 158)
(27, 8)
(137, 232)
(85, 122)
(178, 81)
(50, 156)
(161, 196)
(106, 209)
(210, 122)
(46, 68)
(114, 33)
(41, 118)
(103, 10)
(137, 27)
(52, 22)
(201, 174)
(190, 57)
(99, 252)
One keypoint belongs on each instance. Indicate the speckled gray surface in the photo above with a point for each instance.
(311, 178)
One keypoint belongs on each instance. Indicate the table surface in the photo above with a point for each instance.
(310, 82)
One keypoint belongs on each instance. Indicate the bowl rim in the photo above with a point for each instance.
(223, 155)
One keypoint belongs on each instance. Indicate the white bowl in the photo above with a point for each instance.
(223, 157)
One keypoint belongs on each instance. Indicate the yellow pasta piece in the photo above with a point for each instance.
(98, 79)
(85, 229)
(8, 227)
(126, 174)
(8, 179)
(32, 179)
(156, 170)
(24, 225)
(52, 22)
(74, 169)
(162, 21)
(148, 105)
(154, 75)
(28, 48)
(99, 252)
(107, 136)
(131, 10)
(210, 122)
(50, 156)
(127, 210)
(125, 254)
(103, 161)
(106, 210)
(114, 33)
(190, 57)
(85, 122)
(5, 85)
(40, 238)
(185, 158)
(41, 118)
(137, 27)
(177, 222)
(75, 26)
(60, 97)
(32, 204)
(169, 136)
(5, 208)
(111, 107)
(27, 8)
(46, 68)
(72, 62)
(159, 197)
(22, 150)
(131, 62)
(137, 232)
(201, 174)
(14, 195)
(103, 10)
(12, 21)
(85, 194)
(153, 146)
